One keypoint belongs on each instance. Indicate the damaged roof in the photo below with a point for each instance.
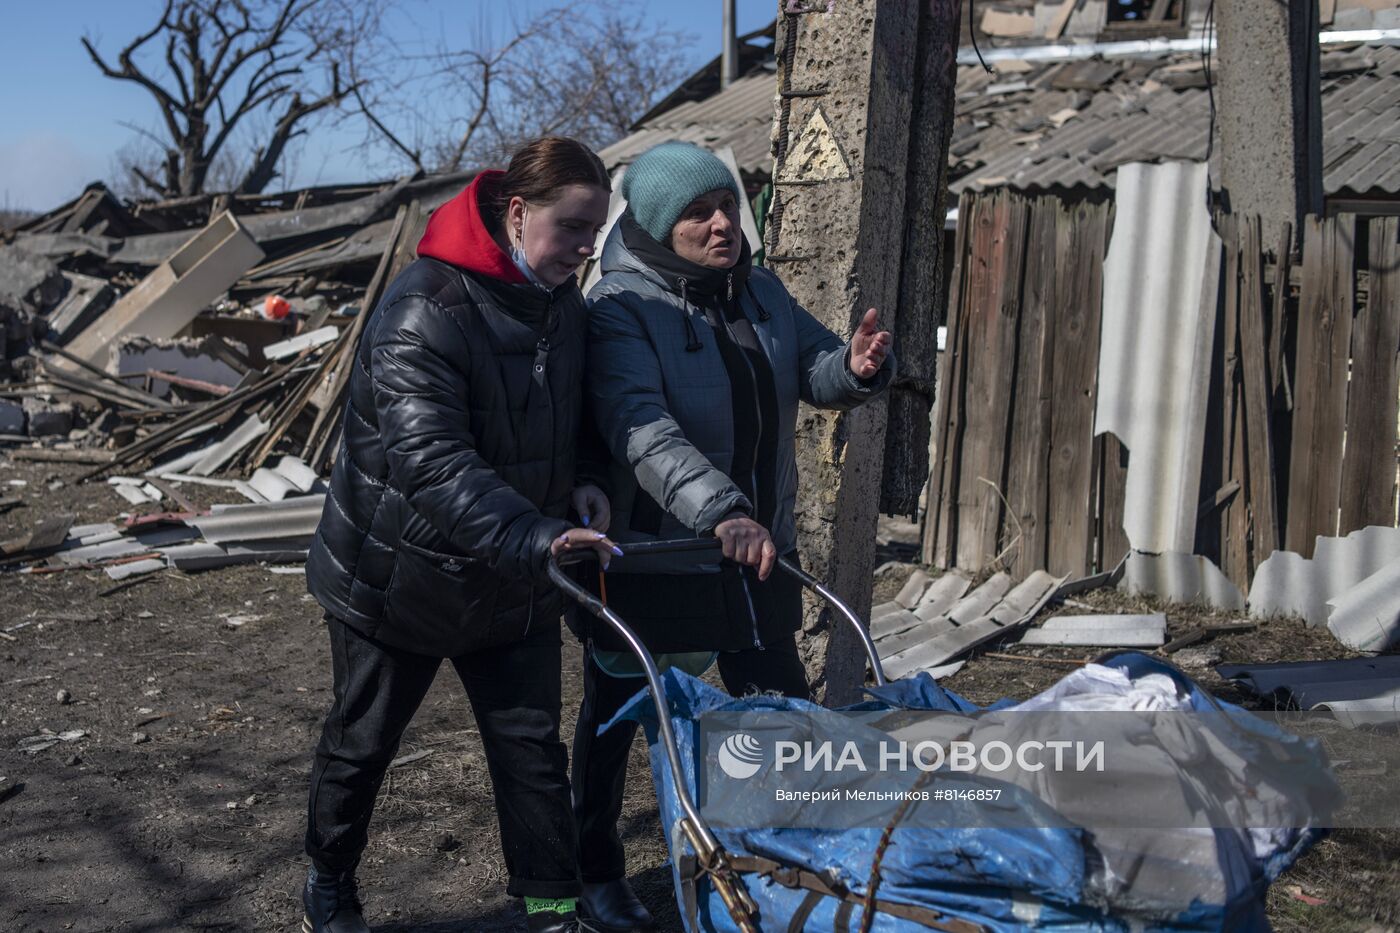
(1070, 124)
(738, 116)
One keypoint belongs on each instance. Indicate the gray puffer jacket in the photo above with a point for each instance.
(663, 404)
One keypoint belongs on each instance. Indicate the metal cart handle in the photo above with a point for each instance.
(701, 546)
(658, 695)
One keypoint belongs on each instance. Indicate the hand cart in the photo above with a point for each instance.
(713, 862)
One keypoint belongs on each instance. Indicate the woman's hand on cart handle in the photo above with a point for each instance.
(592, 506)
(577, 539)
(745, 541)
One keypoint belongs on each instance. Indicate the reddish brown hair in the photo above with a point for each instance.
(539, 171)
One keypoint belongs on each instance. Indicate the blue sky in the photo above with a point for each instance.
(61, 121)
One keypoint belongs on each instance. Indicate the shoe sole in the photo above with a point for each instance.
(588, 925)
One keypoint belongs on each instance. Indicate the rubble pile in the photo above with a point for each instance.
(209, 332)
(189, 351)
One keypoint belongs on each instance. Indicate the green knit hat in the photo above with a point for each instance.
(665, 178)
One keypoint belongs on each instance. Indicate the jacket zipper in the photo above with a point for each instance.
(753, 469)
(542, 348)
(542, 345)
(529, 615)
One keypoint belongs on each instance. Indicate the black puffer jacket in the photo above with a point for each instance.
(457, 457)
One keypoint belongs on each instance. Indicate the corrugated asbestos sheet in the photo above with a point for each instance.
(739, 116)
(1288, 584)
(1062, 124)
(1158, 327)
(931, 622)
(1351, 585)
(202, 555)
(290, 518)
(1358, 691)
(1180, 578)
(1367, 616)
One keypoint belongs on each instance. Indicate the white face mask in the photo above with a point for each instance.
(517, 252)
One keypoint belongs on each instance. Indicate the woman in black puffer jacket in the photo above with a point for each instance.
(450, 490)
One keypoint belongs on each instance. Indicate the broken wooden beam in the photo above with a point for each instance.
(1207, 632)
(48, 455)
(176, 290)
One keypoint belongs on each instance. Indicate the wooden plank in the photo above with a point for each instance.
(171, 296)
(1324, 344)
(1028, 455)
(1368, 469)
(398, 254)
(1222, 399)
(938, 533)
(45, 536)
(996, 293)
(294, 402)
(1234, 515)
(1005, 25)
(1113, 485)
(1258, 414)
(1057, 25)
(986, 262)
(49, 455)
(209, 412)
(1081, 235)
(1278, 326)
(138, 398)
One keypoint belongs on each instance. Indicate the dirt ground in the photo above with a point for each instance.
(199, 697)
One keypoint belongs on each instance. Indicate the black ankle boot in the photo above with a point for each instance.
(612, 907)
(332, 903)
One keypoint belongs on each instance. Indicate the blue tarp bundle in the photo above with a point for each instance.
(1008, 880)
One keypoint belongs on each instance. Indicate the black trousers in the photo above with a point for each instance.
(600, 761)
(514, 692)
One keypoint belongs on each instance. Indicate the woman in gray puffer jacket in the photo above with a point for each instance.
(696, 363)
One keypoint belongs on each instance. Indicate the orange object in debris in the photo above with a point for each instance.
(275, 307)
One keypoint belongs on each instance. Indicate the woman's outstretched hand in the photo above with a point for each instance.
(593, 508)
(747, 542)
(869, 346)
(577, 539)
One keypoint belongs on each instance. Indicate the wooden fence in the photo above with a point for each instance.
(1300, 434)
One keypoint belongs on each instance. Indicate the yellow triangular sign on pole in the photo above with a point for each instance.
(816, 156)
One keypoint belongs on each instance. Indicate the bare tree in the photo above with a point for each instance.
(584, 70)
(138, 165)
(215, 66)
(612, 72)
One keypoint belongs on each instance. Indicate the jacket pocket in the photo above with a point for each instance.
(438, 603)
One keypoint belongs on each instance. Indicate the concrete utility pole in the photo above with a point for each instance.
(1270, 110)
(860, 156)
(729, 51)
